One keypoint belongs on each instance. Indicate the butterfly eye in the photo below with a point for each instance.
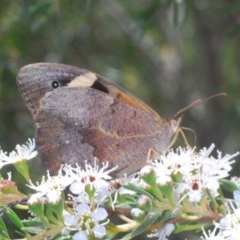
(55, 84)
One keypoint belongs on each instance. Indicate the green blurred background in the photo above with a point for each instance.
(168, 53)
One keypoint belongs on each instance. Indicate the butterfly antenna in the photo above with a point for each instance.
(197, 102)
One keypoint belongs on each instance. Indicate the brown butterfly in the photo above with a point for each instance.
(80, 115)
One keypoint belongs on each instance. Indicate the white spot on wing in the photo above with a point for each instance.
(85, 80)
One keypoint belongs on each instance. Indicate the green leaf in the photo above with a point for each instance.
(228, 185)
(3, 230)
(34, 230)
(38, 210)
(58, 209)
(137, 189)
(32, 222)
(23, 168)
(14, 218)
(167, 191)
(149, 220)
(188, 227)
(33, 226)
(166, 215)
(51, 214)
(150, 177)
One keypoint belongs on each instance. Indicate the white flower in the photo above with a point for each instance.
(49, 189)
(136, 212)
(86, 221)
(229, 225)
(94, 177)
(24, 152)
(80, 235)
(173, 163)
(163, 233)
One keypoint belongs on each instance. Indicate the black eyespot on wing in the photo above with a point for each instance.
(55, 84)
(99, 86)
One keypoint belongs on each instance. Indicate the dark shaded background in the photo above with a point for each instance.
(168, 53)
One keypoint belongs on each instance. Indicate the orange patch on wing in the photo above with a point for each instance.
(128, 99)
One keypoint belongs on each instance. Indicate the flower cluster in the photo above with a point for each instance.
(89, 188)
(191, 172)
